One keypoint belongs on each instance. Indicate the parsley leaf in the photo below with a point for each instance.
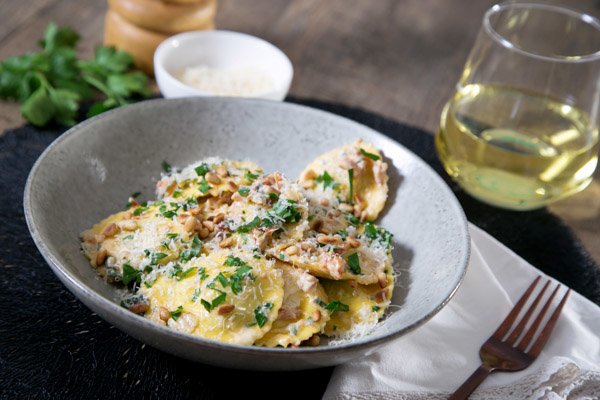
(337, 306)
(202, 169)
(175, 314)
(375, 308)
(235, 281)
(156, 257)
(193, 251)
(243, 191)
(327, 180)
(249, 176)
(372, 156)
(351, 186)
(204, 186)
(381, 235)
(188, 272)
(196, 295)
(131, 274)
(166, 167)
(261, 314)
(217, 301)
(245, 228)
(285, 210)
(354, 263)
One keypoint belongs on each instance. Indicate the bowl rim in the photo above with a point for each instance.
(79, 288)
(168, 44)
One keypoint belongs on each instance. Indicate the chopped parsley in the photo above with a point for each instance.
(204, 186)
(243, 191)
(202, 169)
(343, 233)
(202, 273)
(235, 281)
(188, 272)
(261, 314)
(172, 235)
(354, 263)
(375, 308)
(156, 257)
(140, 210)
(372, 156)
(131, 274)
(176, 194)
(337, 306)
(351, 186)
(382, 235)
(327, 181)
(249, 176)
(176, 271)
(352, 219)
(175, 314)
(285, 210)
(193, 251)
(128, 237)
(273, 197)
(217, 301)
(166, 167)
(245, 228)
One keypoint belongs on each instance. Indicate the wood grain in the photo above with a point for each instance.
(400, 59)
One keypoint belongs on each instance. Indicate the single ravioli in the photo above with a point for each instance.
(224, 296)
(140, 237)
(356, 174)
(356, 309)
(270, 211)
(301, 314)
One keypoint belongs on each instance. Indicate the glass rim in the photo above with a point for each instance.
(503, 41)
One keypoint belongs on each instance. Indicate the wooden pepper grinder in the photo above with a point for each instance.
(138, 26)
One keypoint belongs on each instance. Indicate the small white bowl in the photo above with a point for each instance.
(220, 50)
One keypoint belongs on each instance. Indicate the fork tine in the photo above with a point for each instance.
(547, 330)
(524, 342)
(510, 318)
(521, 326)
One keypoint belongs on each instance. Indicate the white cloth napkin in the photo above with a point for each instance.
(432, 361)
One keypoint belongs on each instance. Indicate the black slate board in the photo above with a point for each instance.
(53, 347)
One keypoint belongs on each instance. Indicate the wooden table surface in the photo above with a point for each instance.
(397, 58)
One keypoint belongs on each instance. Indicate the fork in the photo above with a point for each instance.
(513, 350)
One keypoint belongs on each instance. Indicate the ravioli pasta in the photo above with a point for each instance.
(231, 253)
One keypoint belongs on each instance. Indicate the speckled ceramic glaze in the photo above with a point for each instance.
(89, 172)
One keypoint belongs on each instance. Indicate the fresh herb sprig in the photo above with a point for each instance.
(52, 83)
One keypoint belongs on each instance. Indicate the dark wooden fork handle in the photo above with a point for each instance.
(471, 383)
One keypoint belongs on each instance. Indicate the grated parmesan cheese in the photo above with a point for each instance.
(245, 81)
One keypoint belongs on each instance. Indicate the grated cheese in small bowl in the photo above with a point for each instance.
(245, 81)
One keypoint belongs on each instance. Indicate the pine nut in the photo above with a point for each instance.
(309, 175)
(225, 309)
(292, 250)
(182, 218)
(328, 239)
(222, 171)
(345, 207)
(353, 242)
(139, 308)
(211, 177)
(381, 296)
(194, 211)
(382, 279)
(101, 257)
(232, 186)
(164, 314)
(203, 233)
(111, 230)
(218, 218)
(316, 316)
(209, 225)
(190, 224)
(314, 340)
(324, 202)
(227, 242)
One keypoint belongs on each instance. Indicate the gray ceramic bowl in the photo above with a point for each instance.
(89, 172)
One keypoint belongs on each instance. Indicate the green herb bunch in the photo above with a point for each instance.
(51, 84)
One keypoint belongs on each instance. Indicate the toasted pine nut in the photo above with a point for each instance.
(269, 180)
(353, 242)
(127, 215)
(221, 171)
(213, 178)
(324, 202)
(383, 282)
(181, 218)
(316, 316)
(218, 218)
(203, 233)
(364, 215)
(225, 309)
(111, 230)
(227, 242)
(128, 225)
(381, 296)
(314, 340)
(164, 314)
(307, 184)
(99, 238)
(316, 224)
(237, 197)
(292, 250)
(171, 188)
(210, 225)
(232, 186)
(101, 257)
(345, 207)
(190, 224)
(139, 308)
(307, 246)
(194, 211)
(309, 175)
(329, 239)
